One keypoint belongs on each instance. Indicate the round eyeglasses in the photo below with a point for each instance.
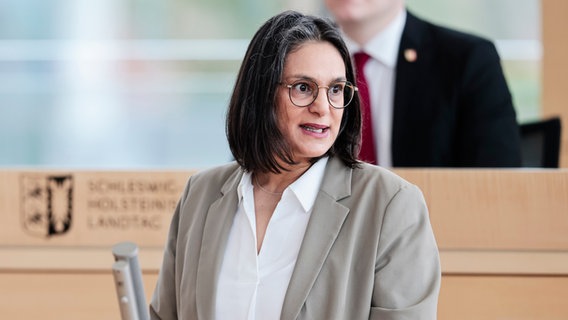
(304, 92)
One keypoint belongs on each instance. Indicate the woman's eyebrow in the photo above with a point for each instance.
(306, 77)
(300, 77)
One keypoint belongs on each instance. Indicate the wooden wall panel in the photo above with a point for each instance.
(502, 297)
(91, 296)
(501, 233)
(555, 66)
(481, 209)
(485, 209)
(62, 295)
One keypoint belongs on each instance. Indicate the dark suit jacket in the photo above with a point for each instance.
(452, 106)
(368, 252)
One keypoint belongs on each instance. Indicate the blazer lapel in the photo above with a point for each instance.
(409, 85)
(325, 223)
(215, 234)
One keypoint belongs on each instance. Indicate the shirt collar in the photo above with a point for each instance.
(244, 185)
(305, 188)
(384, 45)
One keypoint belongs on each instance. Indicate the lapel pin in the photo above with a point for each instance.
(410, 55)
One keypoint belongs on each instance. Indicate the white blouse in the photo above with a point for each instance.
(253, 286)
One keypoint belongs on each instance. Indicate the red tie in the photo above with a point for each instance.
(367, 152)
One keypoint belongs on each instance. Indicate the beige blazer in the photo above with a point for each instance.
(368, 251)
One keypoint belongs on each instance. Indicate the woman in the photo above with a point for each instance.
(297, 228)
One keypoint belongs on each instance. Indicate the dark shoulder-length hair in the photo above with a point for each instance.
(252, 125)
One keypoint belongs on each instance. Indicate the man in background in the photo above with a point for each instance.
(437, 97)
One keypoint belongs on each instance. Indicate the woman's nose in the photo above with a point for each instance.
(321, 103)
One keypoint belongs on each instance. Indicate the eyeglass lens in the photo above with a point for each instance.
(304, 92)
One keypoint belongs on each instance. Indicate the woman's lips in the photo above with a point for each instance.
(315, 128)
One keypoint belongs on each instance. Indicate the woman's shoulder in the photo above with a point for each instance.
(383, 177)
(215, 175)
(343, 179)
(223, 169)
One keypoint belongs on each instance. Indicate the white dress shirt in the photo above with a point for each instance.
(252, 286)
(380, 73)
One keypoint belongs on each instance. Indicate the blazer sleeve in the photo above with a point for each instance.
(407, 267)
(164, 300)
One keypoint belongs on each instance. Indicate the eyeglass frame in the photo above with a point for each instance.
(328, 87)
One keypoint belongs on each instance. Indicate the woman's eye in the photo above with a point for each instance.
(302, 87)
(336, 89)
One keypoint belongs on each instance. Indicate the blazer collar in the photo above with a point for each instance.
(414, 57)
(218, 224)
(325, 223)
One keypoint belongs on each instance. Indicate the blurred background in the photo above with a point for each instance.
(145, 84)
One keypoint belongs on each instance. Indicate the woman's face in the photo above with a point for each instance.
(310, 131)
